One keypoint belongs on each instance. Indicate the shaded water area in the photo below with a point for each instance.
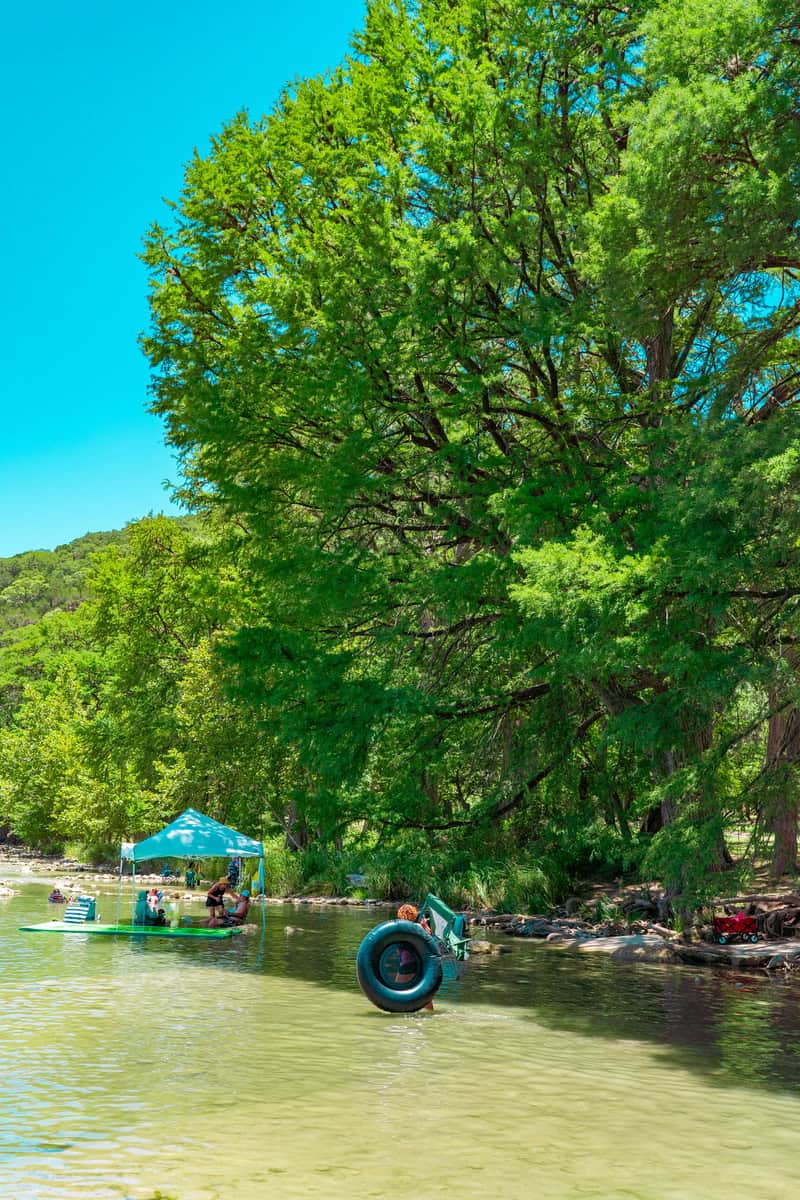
(255, 1068)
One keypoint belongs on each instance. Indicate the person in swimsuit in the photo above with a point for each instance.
(238, 914)
(154, 914)
(215, 900)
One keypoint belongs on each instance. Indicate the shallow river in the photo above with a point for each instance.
(254, 1068)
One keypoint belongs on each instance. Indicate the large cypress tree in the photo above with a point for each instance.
(488, 341)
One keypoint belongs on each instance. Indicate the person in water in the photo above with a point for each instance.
(56, 897)
(215, 900)
(155, 912)
(408, 912)
(407, 966)
(237, 915)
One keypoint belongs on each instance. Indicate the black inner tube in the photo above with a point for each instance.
(399, 966)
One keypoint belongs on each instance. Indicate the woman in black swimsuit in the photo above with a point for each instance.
(215, 899)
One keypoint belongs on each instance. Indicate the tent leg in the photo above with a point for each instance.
(119, 889)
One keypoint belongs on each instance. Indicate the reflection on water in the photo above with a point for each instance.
(255, 1068)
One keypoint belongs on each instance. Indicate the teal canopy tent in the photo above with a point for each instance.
(193, 835)
(189, 836)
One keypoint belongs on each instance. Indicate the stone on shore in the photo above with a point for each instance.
(480, 947)
(740, 954)
(636, 947)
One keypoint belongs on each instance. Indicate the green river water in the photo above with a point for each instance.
(255, 1068)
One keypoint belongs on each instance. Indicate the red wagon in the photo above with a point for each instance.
(739, 928)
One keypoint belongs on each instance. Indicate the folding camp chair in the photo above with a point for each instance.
(447, 926)
(80, 910)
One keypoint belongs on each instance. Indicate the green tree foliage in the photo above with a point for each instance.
(489, 340)
(40, 762)
(39, 593)
(164, 714)
(126, 719)
(43, 581)
(481, 356)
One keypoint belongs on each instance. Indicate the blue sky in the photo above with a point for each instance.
(104, 104)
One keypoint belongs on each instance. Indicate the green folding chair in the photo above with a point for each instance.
(447, 926)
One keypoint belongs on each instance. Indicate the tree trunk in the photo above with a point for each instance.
(783, 755)
(297, 832)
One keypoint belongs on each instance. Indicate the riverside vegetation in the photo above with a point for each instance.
(481, 358)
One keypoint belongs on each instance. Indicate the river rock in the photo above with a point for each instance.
(480, 947)
(534, 927)
(569, 936)
(628, 948)
(499, 921)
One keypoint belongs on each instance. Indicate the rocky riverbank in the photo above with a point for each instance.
(627, 935)
(633, 933)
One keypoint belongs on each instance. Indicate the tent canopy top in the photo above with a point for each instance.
(193, 835)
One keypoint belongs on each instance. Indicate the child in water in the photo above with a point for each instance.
(408, 964)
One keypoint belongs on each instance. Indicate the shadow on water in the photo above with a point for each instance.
(734, 1030)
